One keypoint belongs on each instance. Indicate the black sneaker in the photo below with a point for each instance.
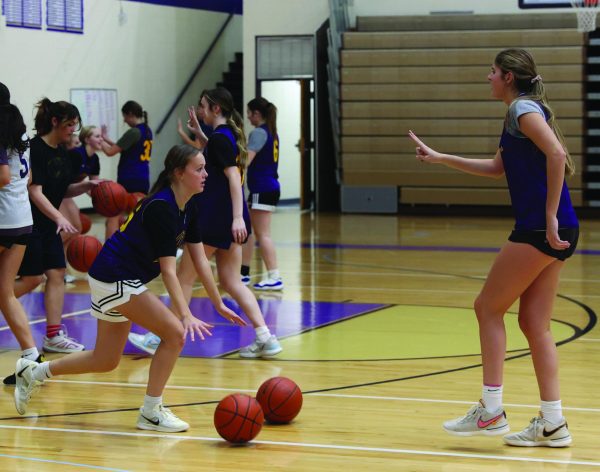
(12, 380)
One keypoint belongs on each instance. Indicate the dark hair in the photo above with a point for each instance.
(530, 86)
(12, 126)
(222, 97)
(267, 110)
(177, 158)
(62, 111)
(132, 107)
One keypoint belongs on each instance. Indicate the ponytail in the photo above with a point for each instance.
(237, 125)
(47, 110)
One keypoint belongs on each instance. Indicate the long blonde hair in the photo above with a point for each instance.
(531, 87)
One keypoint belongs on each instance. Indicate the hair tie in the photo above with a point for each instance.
(537, 78)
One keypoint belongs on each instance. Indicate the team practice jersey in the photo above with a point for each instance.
(525, 169)
(15, 209)
(262, 171)
(216, 211)
(134, 163)
(90, 165)
(155, 229)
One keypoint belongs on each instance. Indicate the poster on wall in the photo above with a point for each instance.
(98, 107)
(65, 16)
(23, 13)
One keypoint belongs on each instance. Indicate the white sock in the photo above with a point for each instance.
(492, 397)
(150, 404)
(262, 334)
(32, 353)
(274, 274)
(42, 371)
(552, 411)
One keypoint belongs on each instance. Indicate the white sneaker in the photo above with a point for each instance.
(258, 349)
(162, 419)
(69, 279)
(26, 384)
(478, 421)
(61, 343)
(269, 284)
(148, 342)
(541, 432)
(246, 279)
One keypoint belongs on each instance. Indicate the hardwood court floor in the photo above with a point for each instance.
(377, 384)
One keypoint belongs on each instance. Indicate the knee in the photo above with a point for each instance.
(30, 282)
(531, 327)
(478, 306)
(174, 338)
(106, 364)
(228, 284)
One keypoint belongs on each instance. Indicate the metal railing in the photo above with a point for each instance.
(339, 22)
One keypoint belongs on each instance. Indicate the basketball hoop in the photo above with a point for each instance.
(586, 11)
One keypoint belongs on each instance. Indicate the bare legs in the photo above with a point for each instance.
(261, 225)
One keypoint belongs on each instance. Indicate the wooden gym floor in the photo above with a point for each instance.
(378, 331)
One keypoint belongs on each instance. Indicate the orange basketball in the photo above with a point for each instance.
(238, 418)
(82, 251)
(109, 198)
(280, 399)
(86, 222)
(133, 199)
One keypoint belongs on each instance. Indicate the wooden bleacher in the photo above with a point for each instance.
(428, 74)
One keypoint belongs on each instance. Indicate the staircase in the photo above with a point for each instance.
(233, 80)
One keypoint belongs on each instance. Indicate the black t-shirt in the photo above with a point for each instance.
(54, 169)
(220, 151)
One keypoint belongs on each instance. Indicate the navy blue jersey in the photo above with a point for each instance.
(134, 163)
(262, 171)
(216, 210)
(156, 228)
(90, 165)
(525, 169)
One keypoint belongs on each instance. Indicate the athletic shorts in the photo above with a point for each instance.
(106, 296)
(537, 239)
(44, 252)
(135, 185)
(8, 241)
(265, 201)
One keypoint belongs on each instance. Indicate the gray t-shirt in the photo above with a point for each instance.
(129, 138)
(518, 108)
(257, 139)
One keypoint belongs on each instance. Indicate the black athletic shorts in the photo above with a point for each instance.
(44, 252)
(266, 201)
(537, 239)
(8, 241)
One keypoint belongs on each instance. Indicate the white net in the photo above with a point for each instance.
(586, 11)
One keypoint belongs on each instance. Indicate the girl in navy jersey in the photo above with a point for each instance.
(54, 175)
(90, 138)
(533, 156)
(142, 249)
(15, 220)
(135, 147)
(224, 214)
(263, 184)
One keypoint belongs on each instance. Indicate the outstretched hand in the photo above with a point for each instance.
(193, 326)
(192, 123)
(424, 152)
(230, 315)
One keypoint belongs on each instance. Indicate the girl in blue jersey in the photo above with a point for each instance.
(223, 210)
(135, 147)
(263, 184)
(90, 138)
(15, 221)
(533, 156)
(143, 248)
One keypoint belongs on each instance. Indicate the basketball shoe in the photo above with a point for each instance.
(257, 349)
(269, 284)
(478, 421)
(246, 279)
(26, 384)
(12, 379)
(162, 419)
(61, 343)
(148, 342)
(541, 432)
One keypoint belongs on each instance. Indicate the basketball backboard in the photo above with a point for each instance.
(544, 4)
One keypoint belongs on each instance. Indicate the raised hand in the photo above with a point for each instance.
(424, 152)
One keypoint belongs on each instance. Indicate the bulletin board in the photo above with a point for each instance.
(98, 107)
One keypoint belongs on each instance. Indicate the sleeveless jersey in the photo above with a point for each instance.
(134, 163)
(262, 171)
(525, 169)
(129, 253)
(15, 209)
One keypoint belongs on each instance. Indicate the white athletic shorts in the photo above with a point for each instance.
(107, 296)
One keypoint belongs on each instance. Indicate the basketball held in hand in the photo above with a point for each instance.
(109, 198)
(82, 251)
